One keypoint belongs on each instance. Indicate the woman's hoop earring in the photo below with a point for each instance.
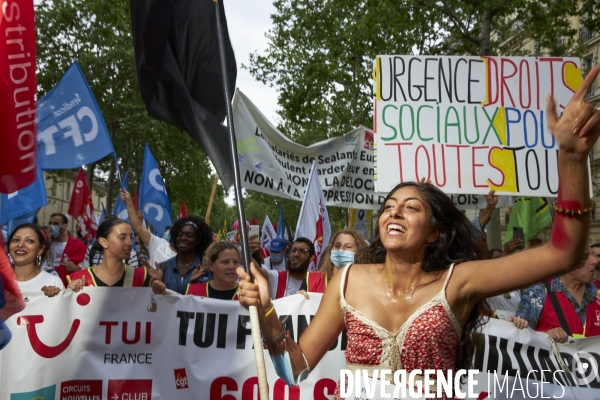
(38, 259)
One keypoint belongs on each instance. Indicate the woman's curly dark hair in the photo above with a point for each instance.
(203, 233)
(455, 244)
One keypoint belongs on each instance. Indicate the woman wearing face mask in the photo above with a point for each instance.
(222, 259)
(340, 251)
(28, 247)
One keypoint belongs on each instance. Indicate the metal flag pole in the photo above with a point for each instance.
(263, 387)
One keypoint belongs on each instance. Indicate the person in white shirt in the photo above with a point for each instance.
(159, 249)
(28, 246)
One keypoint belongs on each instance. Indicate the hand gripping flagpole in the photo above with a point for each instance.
(256, 336)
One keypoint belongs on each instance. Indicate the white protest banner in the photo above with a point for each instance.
(273, 164)
(126, 344)
(520, 364)
(470, 124)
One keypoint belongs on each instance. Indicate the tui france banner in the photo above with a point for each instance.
(187, 347)
(71, 129)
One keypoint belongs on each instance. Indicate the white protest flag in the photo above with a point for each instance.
(313, 222)
(268, 233)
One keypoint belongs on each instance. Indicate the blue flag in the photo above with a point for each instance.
(24, 201)
(154, 200)
(71, 130)
(23, 219)
(120, 209)
(102, 214)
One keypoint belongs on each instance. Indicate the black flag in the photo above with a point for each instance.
(177, 61)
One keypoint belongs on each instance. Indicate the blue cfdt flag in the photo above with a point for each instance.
(154, 200)
(120, 209)
(24, 203)
(71, 130)
(102, 214)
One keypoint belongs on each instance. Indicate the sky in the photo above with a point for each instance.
(248, 22)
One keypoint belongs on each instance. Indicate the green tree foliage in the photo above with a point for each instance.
(97, 34)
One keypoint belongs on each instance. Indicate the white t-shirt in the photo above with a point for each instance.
(41, 280)
(505, 305)
(159, 250)
(56, 252)
(292, 284)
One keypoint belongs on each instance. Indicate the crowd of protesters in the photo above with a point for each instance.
(187, 260)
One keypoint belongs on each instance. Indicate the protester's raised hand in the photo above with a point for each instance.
(70, 266)
(198, 273)
(155, 273)
(578, 127)
(77, 284)
(253, 243)
(124, 195)
(491, 199)
(50, 291)
(254, 294)
(512, 245)
(303, 293)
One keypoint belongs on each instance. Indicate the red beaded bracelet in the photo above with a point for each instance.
(566, 212)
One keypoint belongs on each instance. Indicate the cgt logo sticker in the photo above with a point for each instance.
(181, 381)
(43, 350)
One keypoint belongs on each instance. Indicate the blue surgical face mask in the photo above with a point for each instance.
(167, 235)
(276, 257)
(341, 258)
(55, 231)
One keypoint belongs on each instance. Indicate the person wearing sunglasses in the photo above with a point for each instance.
(296, 277)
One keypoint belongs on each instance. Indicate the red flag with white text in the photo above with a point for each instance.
(313, 222)
(17, 96)
(81, 206)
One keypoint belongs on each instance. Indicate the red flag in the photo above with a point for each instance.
(17, 96)
(183, 212)
(82, 207)
(134, 200)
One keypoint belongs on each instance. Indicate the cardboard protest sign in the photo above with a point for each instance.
(470, 124)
